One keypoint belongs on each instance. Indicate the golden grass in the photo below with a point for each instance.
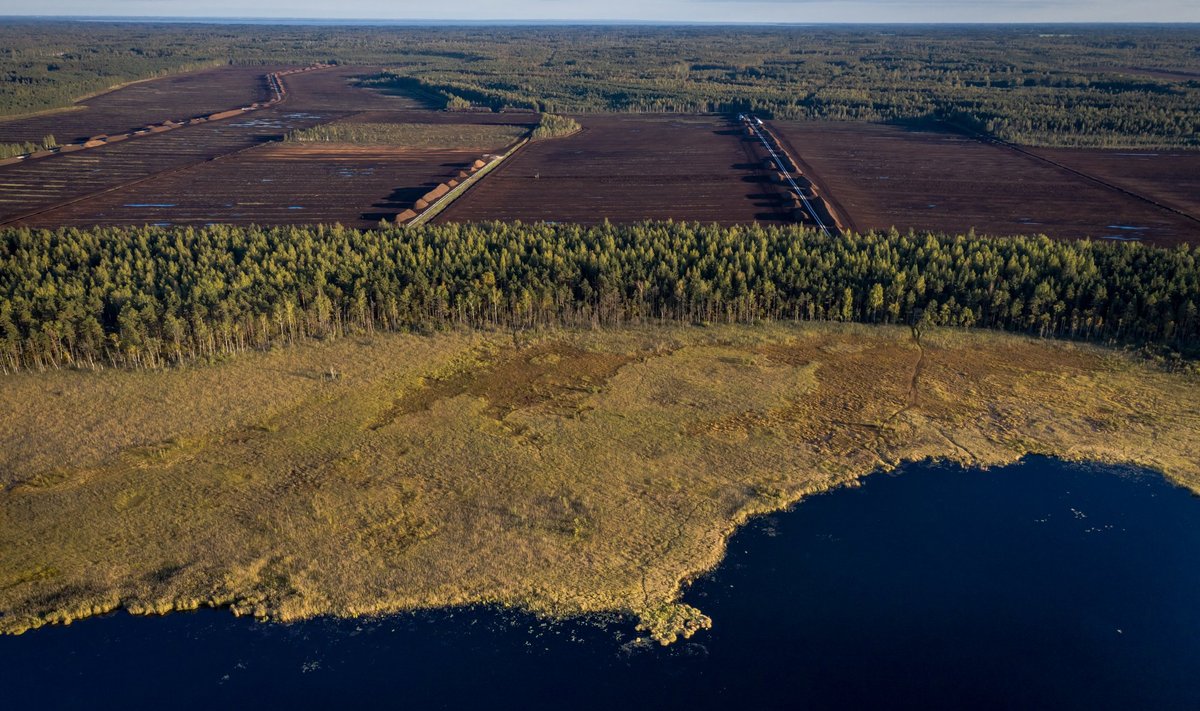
(564, 473)
(412, 135)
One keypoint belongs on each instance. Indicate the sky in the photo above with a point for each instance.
(765, 11)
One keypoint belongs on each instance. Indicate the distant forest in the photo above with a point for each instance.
(1130, 86)
(148, 296)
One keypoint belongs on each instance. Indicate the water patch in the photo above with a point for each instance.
(149, 204)
(258, 123)
(1039, 585)
(355, 172)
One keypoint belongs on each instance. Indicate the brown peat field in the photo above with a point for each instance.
(238, 170)
(619, 167)
(630, 169)
(923, 178)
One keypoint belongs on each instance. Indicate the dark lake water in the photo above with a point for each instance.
(1037, 585)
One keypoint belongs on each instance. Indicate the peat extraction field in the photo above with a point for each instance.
(280, 183)
(1170, 178)
(337, 89)
(630, 169)
(886, 175)
(176, 97)
(208, 173)
(30, 190)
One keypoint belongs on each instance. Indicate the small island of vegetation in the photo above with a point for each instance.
(409, 135)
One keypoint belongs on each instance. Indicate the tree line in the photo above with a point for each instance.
(9, 150)
(150, 296)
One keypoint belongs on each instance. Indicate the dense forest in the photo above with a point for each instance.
(147, 297)
(1093, 85)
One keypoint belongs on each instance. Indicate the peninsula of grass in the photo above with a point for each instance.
(561, 471)
(412, 135)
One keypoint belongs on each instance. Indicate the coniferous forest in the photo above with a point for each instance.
(148, 296)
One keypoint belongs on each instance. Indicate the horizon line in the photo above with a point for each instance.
(225, 19)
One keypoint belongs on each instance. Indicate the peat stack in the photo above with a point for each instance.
(436, 193)
(822, 209)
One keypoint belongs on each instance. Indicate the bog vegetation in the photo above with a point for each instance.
(149, 296)
(411, 135)
(1100, 86)
(563, 471)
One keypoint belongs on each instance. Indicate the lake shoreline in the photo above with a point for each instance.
(850, 575)
(578, 472)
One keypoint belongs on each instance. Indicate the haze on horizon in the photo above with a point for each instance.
(717, 11)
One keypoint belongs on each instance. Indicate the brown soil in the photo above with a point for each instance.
(334, 89)
(176, 177)
(1171, 178)
(181, 96)
(275, 184)
(886, 176)
(40, 185)
(629, 169)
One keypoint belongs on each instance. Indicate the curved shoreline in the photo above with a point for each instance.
(580, 472)
(699, 620)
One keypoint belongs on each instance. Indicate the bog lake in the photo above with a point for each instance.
(1042, 584)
